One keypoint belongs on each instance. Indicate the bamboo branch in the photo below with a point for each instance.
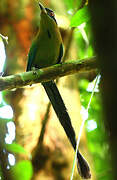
(46, 74)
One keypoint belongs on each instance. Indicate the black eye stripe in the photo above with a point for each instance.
(49, 12)
(54, 19)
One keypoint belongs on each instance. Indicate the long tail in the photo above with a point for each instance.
(63, 116)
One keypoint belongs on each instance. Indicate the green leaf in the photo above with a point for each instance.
(80, 17)
(15, 148)
(22, 170)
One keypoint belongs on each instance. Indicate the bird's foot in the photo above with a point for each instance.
(34, 69)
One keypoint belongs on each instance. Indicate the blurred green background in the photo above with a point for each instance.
(22, 111)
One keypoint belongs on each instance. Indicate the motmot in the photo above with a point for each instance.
(47, 50)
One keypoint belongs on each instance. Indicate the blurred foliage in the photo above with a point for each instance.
(70, 4)
(23, 15)
(18, 172)
(15, 148)
(95, 130)
(96, 134)
(80, 17)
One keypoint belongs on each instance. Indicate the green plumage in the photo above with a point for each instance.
(47, 50)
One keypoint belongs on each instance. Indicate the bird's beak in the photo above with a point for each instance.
(42, 8)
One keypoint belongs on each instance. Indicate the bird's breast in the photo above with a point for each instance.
(48, 49)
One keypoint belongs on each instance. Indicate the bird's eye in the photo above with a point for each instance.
(52, 14)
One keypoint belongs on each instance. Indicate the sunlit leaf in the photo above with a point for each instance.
(80, 17)
(15, 148)
(22, 170)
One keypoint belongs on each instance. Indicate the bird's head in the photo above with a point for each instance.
(47, 16)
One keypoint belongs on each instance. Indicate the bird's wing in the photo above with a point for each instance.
(31, 55)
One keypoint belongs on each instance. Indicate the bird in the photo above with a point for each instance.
(47, 50)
